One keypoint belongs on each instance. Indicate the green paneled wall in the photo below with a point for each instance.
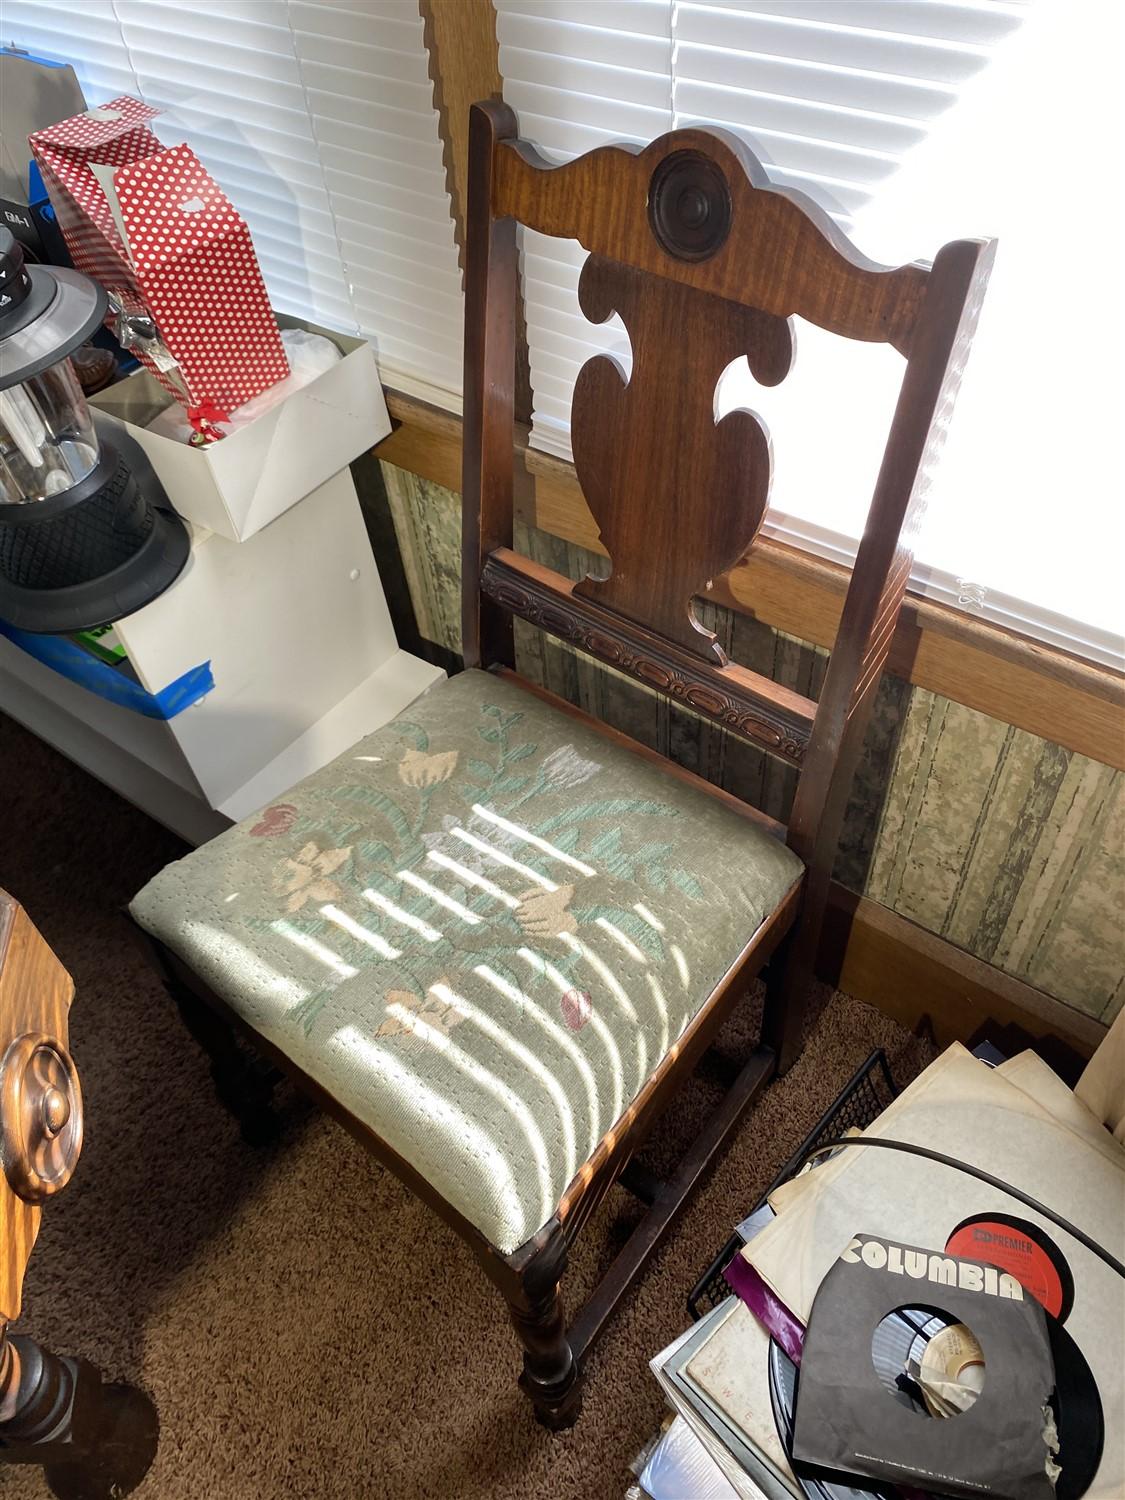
(1006, 845)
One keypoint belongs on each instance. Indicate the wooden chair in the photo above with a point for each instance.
(94, 1441)
(509, 1073)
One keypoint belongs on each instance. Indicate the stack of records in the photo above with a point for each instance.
(735, 1378)
(716, 1378)
(677, 1465)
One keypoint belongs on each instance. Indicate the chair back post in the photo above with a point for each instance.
(938, 350)
(936, 357)
(491, 303)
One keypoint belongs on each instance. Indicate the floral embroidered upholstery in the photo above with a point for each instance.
(480, 929)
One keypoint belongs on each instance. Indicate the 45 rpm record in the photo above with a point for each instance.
(1076, 1405)
(911, 1339)
(1078, 1415)
(1023, 1250)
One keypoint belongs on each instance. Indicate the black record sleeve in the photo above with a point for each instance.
(847, 1420)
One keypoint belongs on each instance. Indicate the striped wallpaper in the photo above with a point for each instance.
(1004, 844)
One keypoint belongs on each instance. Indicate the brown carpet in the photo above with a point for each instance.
(305, 1327)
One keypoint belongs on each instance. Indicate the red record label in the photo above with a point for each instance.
(1009, 1248)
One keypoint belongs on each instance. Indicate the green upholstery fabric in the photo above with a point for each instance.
(480, 929)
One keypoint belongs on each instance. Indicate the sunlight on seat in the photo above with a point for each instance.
(662, 1008)
(359, 932)
(598, 964)
(320, 951)
(435, 1037)
(404, 918)
(620, 937)
(254, 971)
(646, 916)
(681, 963)
(534, 1066)
(470, 877)
(408, 877)
(503, 859)
(605, 973)
(557, 1033)
(564, 986)
(439, 1112)
(544, 845)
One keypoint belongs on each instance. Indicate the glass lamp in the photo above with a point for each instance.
(82, 543)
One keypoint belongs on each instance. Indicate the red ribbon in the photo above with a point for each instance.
(203, 418)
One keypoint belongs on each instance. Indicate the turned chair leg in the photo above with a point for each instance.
(94, 1441)
(243, 1082)
(789, 981)
(551, 1378)
(787, 1003)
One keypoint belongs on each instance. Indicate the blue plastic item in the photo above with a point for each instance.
(70, 660)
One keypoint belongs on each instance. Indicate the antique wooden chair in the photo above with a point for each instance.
(94, 1441)
(495, 937)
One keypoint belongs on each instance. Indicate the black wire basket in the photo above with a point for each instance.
(865, 1096)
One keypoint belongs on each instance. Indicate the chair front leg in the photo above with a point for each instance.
(789, 982)
(243, 1083)
(551, 1378)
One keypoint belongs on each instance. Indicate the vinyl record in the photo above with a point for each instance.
(1023, 1250)
(912, 1342)
(1078, 1415)
(1076, 1404)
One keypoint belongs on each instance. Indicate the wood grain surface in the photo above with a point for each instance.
(35, 996)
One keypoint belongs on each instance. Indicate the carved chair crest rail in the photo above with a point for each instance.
(497, 936)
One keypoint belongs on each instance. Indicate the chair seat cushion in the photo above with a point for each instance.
(480, 930)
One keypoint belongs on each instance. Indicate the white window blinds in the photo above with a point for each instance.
(912, 122)
(317, 119)
(580, 74)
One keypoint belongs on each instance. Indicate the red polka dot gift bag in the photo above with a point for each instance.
(168, 245)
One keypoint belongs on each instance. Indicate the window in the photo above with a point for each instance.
(912, 122)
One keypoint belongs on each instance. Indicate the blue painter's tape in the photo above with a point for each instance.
(71, 661)
(44, 62)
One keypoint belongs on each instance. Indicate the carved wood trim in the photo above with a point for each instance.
(782, 254)
(40, 1116)
(670, 768)
(778, 720)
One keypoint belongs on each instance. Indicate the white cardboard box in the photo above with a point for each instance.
(238, 485)
(292, 621)
(303, 654)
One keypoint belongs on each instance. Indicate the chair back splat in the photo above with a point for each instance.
(704, 261)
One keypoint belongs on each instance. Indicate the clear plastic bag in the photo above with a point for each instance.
(309, 355)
